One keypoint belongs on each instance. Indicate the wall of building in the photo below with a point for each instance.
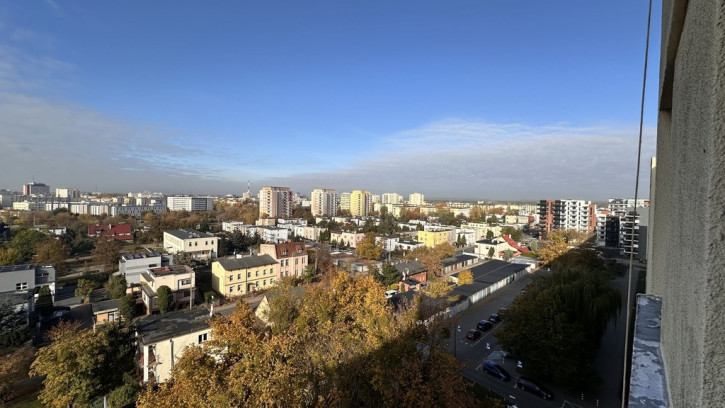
(688, 256)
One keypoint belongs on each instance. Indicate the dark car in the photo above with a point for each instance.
(502, 311)
(527, 384)
(484, 325)
(494, 318)
(496, 370)
(473, 335)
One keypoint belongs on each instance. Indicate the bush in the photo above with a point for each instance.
(165, 299)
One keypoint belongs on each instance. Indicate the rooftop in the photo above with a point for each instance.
(246, 262)
(14, 268)
(494, 271)
(128, 257)
(171, 270)
(105, 306)
(161, 327)
(188, 234)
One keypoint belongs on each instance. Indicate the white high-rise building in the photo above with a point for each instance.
(324, 202)
(345, 201)
(392, 198)
(275, 202)
(68, 193)
(188, 203)
(416, 199)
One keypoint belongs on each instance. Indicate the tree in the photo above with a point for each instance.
(515, 233)
(444, 250)
(12, 368)
(507, 255)
(534, 246)
(489, 234)
(491, 251)
(116, 286)
(165, 299)
(465, 277)
(438, 288)
(553, 250)
(13, 325)
(368, 249)
(10, 256)
(308, 274)
(44, 303)
(85, 287)
(492, 220)
(389, 275)
(80, 365)
(106, 251)
(25, 242)
(125, 394)
(429, 258)
(127, 307)
(52, 251)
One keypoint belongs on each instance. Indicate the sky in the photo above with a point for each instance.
(460, 100)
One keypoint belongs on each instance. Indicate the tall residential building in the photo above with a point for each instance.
(392, 198)
(68, 193)
(324, 202)
(180, 203)
(345, 201)
(360, 203)
(621, 205)
(276, 202)
(637, 225)
(567, 214)
(36, 189)
(416, 199)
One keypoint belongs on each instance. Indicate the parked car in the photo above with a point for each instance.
(496, 370)
(494, 318)
(484, 325)
(527, 384)
(502, 312)
(390, 293)
(473, 335)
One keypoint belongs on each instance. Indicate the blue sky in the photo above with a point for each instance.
(487, 99)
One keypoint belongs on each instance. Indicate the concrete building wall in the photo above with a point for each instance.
(687, 268)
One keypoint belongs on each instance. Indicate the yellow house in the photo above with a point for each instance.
(239, 276)
(435, 237)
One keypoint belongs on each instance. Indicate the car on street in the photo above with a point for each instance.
(473, 335)
(494, 318)
(484, 325)
(527, 384)
(496, 370)
(390, 293)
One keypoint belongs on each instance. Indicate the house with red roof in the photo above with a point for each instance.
(119, 232)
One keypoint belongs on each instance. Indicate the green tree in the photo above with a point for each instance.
(10, 256)
(493, 219)
(52, 251)
(308, 275)
(13, 325)
(491, 251)
(106, 251)
(116, 286)
(25, 242)
(368, 249)
(507, 255)
(489, 234)
(85, 287)
(165, 299)
(438, 288)
(534, 245)
(44, 303)
(125, 394)
(515, 233)
(389, 274)
(127, 307)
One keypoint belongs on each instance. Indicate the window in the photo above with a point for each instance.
(264, 272)
(206, 242)
(196, 244)
(202, 338)
(21, 286)
(239, 276)
(297, 260)
(231, 289)
(231, 278)
(239, 288)
(281, 263)
(271, 281)
(189, 243)
(249, 274)
(286, 262)
(256, 284)
(256, 273)
(299, 250)
(265, 282)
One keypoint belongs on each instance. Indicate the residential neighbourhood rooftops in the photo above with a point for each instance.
(188, 234)
(246, 262)
(157, 328)
(105, 306)
(290, 249)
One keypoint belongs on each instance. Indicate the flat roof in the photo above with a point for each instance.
(189, 234)
(14, 268)
(154, 329)
(246, 262)
(105, 306)
(494, 271)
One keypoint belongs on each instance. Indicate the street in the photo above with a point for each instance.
(473, 354)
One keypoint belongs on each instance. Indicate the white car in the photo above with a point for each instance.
(390, 293)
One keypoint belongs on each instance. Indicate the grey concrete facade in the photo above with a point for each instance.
(687, 267)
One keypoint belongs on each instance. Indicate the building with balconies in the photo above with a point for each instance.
(181, 279)
(576, 215)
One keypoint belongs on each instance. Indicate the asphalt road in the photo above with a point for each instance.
(473, 354)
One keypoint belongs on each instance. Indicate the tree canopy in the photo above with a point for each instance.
(164, 299)
(344, 347)
(368, 249)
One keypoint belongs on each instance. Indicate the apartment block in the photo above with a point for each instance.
(191, 204)
(345, 201)
(324, 202)
(416, 199)
(275, 202)
(431, 237)
(239, 276)
(391, 198)
(198, 245)
(360, 203)
(566, 214)
(34, 188)
(291, 256)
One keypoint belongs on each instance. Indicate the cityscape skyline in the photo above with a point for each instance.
(481, 101)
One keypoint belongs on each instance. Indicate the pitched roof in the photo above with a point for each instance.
(410, 268)
(246, 262)
(117, 231)
(289, 249)
(515, 244)
(105, 306)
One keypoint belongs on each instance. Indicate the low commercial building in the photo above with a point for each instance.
(239, 276)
